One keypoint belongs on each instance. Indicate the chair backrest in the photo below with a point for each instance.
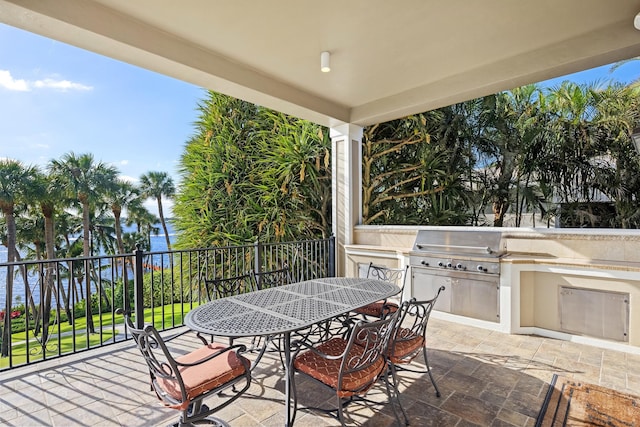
(393, 275)
(365, 353)
(162, 366)
(273, 278)
(411, 327)
(229, 286)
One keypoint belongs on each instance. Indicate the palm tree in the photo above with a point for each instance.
(30, 240)
(66, 225)
(85, 180)
(569, 148)
(510, 123)
(144, 221)
(619, 64)
(156, 185)
(48, 195)
(16, 182)
(122, 195)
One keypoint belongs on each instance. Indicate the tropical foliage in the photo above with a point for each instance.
(249, 173)
(563, 153)
(156, 185)
(72, 209)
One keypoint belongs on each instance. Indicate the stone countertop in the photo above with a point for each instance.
(546, 259)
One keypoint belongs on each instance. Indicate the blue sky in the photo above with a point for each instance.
(56, 98)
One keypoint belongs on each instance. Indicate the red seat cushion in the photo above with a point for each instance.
(327, 371)
(206, 376)
(375, 309)
(405, 347)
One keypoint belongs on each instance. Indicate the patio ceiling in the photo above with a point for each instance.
(388, 59)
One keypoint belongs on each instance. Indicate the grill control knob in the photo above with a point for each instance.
(449, 265)
(440, 264)
(460, 266)
(480, 268)
(425, 263)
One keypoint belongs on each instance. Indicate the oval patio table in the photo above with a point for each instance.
(286, 309)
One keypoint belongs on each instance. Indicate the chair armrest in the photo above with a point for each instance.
(324, 355)
(238, 348)
(179, 334)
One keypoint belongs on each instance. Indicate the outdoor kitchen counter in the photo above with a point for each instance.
(544, 278)
(592, 301)
(595, 264)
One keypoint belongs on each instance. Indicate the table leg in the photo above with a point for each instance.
(288, 422)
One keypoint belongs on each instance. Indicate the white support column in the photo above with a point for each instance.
(346, 175)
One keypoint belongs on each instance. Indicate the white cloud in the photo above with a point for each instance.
(8, 82)
(124, 162)
(63, 85)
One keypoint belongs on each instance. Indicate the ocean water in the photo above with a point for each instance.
(158, 243)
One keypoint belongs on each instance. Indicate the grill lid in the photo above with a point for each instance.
(488, 243)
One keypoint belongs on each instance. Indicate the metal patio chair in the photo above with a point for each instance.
(349, 367)
(272, 278)
(183, 382)
(380, 309)
(228, 286)
(409, 339)
(265, 280)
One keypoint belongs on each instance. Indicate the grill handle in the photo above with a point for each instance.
(486, 249)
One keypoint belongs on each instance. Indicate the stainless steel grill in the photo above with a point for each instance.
(467, 263)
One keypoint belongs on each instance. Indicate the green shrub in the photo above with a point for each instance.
(159, 290)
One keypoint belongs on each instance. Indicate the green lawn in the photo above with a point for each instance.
(171, 314)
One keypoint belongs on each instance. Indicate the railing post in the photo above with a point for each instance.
(332, 256)
(138, 279)
(258, 256)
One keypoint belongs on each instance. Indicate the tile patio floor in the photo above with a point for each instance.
(486, 379)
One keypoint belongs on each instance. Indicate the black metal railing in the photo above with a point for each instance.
(46, 312)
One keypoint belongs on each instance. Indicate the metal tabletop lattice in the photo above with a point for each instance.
(286, 308)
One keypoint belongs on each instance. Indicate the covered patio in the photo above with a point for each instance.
(486, 379)
(388, 60)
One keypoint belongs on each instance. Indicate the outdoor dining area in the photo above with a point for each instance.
(335, 344)
(269, 353)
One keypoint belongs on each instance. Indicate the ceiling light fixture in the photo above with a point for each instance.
(324, 61)
(636, 21)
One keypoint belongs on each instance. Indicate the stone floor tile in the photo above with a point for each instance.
(471, 409)
(424, 415)
(500, 423)
(95, 413)
(531, 385)
(633, 382)
(615, 359)
(512, 417)
(461, 383)
(591, 356)
(486, 378)
(30, 418)
(525, 403)
(633, 362)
